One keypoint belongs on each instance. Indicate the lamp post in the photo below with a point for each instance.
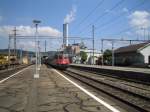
(39, 55)
(36, 22)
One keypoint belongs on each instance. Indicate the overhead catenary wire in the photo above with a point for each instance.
(113, 20)
(124, 30)
(102, 15)
(90, 13)
(120, 16)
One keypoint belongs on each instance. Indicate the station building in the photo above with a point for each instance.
(133, 55)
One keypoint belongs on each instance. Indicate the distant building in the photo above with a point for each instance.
(90, 57)
(74, 53)
(73, 49)
(133, 55)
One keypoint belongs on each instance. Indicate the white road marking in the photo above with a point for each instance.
(113, 109)
(3, 80)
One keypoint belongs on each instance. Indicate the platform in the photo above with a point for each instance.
(49, 93)
(129, 69)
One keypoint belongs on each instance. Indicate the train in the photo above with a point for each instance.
(4, 63)
(60, 60)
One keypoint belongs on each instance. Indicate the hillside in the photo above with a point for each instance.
(5, 52)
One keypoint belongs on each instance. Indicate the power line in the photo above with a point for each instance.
(102, 15)
(50, 37)
(85, 18)
(124, 30)
(118, 17)
(103, 26)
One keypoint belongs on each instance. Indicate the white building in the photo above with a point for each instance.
(137, 54)
(90, 57)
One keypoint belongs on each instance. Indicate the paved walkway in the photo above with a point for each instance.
(140, 70)
(55, 94)
(50, 93)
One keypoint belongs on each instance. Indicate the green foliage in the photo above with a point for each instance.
(107, 56)
(83, 56)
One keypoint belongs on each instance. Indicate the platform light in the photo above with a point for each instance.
(36, 22)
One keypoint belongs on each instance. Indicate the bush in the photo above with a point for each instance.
(83, 56)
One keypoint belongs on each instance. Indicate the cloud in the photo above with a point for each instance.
(125, 10)
(27, 45)
(28, 31)
(140, 19)
(30, 45)
(128, 33)
(116, 12)
(71, 16)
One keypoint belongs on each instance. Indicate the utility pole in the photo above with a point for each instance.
(130, 42)
(21, 55)
(113, 57)
(45, 46)
(9, 50)
(93, 28)
(102, 52)
(148, 36)
(144, 33)
(15, 46)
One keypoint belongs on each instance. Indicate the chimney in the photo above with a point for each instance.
(65, 34)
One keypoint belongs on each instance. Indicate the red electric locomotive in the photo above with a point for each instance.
(59, 60)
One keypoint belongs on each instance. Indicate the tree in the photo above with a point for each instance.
(83, 56)
(107, 57)
(82, 45)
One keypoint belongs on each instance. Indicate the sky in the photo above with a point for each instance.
(121, 19)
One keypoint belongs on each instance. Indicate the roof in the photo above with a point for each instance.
(131, 48)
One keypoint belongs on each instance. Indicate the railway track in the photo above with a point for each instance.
(115, 76)
(131, 93)
(129, 76)
(7, 72)
(132, 85)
